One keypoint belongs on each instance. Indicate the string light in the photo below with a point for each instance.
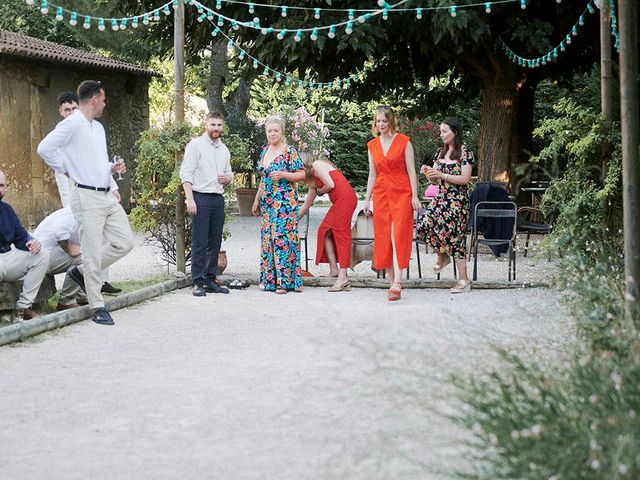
(551, 55)
(87, 23)
(59, 15)
(487, 7)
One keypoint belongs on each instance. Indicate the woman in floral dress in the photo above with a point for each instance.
(279, 168)
(444, 225)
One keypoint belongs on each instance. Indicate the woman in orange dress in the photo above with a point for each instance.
(334, 233)
(394, 186)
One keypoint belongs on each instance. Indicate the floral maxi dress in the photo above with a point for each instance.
(280, 262)
(444, 224)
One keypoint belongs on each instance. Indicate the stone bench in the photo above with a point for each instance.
(10, 291)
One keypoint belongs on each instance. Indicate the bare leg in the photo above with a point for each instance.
(330, 251)
(461, 264)
(395, 274)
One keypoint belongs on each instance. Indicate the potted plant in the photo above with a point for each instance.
(243, 139)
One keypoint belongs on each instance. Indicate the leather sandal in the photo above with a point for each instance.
(438, 267)
(393, 294)
(345, 287)
(461, 286)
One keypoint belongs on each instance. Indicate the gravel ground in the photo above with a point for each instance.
(253, 385)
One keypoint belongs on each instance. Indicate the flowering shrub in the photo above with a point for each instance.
(305, 132)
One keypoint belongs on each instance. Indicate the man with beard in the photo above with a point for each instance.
(78, 148)
(28, 261)
(204, 172)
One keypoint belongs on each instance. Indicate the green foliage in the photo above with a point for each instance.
(157, 184)
(578, 419)
(576, 138)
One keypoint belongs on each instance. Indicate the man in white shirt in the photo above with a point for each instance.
(204, 172)
(67, 104)
(58, 233)
(105, 233)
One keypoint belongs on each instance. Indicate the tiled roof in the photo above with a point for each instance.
(12, 43)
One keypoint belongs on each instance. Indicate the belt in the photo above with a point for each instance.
(97, 189)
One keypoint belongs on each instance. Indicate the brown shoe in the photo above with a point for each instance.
(28, 314)
(62, 306)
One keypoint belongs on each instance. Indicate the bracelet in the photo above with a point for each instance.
(446, 176)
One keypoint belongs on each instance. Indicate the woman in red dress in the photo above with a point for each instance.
(394, 186)
(334, 233)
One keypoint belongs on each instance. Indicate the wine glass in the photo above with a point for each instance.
(116, 160)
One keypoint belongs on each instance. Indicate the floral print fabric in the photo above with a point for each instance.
(444, 223)
(280, 262)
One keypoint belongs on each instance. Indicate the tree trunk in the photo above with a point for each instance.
(498, 135)
(217, 76)
(241, 97)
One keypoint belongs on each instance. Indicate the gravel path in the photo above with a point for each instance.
(253, 385)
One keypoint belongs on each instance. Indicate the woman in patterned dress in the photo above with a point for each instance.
(444, 225)
(277, 201)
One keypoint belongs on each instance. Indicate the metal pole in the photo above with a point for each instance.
(178, 42)
(630, 127)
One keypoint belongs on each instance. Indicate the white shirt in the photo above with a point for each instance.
(78, 147)
(60, 225)
(203, 161)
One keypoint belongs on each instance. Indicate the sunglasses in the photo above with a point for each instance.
(383, 107)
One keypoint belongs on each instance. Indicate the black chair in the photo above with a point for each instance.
(303, 233)
(532, 221)
(496, 221)
(417, 242)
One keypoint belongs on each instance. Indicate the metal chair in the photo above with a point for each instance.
(417, 242)
(528, 222)
(303, 233)
(485, 216)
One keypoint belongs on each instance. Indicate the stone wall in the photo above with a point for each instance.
(28, 111)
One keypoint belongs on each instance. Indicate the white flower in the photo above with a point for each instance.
(515, 434)
(536, 429)
(493, 440)
(623, 469)
(595, 464)
(584, 361)
(593, 398)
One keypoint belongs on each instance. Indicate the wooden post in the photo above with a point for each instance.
(606, 89)
(606, 77)
(178, 42)
(630, 127)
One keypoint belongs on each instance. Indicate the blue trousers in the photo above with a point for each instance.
(206, 231)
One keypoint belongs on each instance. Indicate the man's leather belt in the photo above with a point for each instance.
(97, 189)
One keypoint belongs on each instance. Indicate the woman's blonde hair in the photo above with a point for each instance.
(307, 162)
(278, 120)
(389, 114)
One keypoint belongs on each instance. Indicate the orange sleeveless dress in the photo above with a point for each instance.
(391, 203)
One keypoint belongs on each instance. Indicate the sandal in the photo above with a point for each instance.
(345, 287)
(281, 291)
(237, 284)
(461, 286)
(438, 267)
(394, 294)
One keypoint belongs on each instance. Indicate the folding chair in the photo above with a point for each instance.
(528, 222)
(486, 217)
(417, 242)
(303, 233)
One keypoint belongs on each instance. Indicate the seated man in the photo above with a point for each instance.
(58, 234)
(27, 261)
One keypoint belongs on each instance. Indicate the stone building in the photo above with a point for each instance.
(32, 74)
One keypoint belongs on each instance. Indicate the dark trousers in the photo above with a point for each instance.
(206, 230)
